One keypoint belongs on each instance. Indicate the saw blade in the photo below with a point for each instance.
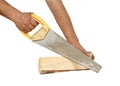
(56, 43)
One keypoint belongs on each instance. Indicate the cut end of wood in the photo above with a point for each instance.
(57, 64)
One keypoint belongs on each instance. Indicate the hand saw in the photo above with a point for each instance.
(49, 39)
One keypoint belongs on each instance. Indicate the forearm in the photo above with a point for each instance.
(63, 19)
(8, 11)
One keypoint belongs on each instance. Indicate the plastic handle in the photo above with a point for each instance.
(42, 32)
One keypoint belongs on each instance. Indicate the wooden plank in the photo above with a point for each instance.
(57, 64)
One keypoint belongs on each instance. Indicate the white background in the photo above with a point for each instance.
(97, 24)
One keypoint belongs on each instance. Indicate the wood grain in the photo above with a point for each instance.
(57, 64)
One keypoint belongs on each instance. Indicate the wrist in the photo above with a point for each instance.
(15, 16)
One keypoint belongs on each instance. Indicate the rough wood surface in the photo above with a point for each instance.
(57, 64)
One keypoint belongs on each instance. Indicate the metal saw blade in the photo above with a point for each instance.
(56, 43)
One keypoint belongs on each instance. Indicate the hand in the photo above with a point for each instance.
(90, 54)
(80, 47)
(25, 22)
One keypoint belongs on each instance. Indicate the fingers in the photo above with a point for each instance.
(90, 54)
(34, 23)
(26, 23)
(31, 25)
(27, 27)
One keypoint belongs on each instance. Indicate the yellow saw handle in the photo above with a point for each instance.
(42, 32)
